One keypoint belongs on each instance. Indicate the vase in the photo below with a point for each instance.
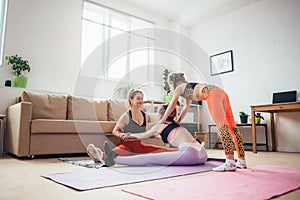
(20, 81)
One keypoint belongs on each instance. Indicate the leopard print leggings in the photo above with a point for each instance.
(227, 142)
(220, 110)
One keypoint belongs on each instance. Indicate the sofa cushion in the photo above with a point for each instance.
(71, 126)
(116, 108)
(80, 108)
(46, 106)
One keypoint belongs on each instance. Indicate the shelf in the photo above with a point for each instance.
(240, 125)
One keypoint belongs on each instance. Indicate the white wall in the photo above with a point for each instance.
(48, 34)
(265, 41)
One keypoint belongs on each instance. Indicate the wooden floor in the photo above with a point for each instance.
(20, 178)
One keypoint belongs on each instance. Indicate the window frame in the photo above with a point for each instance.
(2, 28)
(131, 23)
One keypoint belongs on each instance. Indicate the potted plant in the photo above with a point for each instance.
(19, 65)
(124, 90)
(258, 118)
(243, 117)
(167, 89)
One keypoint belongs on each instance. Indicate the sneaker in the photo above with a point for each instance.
(110, 155)
(241, 164)
(94, 153)
(226, 167)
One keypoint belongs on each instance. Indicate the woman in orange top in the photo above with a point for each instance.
(220, 110)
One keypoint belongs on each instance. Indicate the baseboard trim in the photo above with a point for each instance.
(285, 149)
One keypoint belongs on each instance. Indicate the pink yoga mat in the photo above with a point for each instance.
(261, 182)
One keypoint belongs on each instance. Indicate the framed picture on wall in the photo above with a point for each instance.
(221, 63)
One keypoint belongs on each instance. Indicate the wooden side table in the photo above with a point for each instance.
(2, 118)
(272, 109)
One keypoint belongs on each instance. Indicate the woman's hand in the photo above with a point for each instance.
(178, 121)
(127, 137)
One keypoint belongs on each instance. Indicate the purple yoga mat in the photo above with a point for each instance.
(120, 175)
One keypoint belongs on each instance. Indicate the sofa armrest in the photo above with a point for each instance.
(17, 137)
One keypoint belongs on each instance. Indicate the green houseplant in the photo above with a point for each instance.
(243, 117)
(123, 90)
(167, 89)
(19, 65)
(258, 118)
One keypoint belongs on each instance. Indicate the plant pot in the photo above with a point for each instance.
(244, 119)
(20, 81)
(168, 98)
(257, 120)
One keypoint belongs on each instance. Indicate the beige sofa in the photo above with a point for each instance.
(43, 124)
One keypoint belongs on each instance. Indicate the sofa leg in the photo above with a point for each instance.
(30, 156)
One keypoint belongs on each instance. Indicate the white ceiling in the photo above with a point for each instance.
(190, 12)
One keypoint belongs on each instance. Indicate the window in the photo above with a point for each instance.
(2, 25)
(125, 41)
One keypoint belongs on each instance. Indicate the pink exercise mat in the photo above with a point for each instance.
(260, 182)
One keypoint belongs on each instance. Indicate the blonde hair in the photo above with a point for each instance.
(176, 78)
(131, 95)
(164, 107)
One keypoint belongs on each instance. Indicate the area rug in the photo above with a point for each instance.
(120, 175)
(255, 183)
(82, 161)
